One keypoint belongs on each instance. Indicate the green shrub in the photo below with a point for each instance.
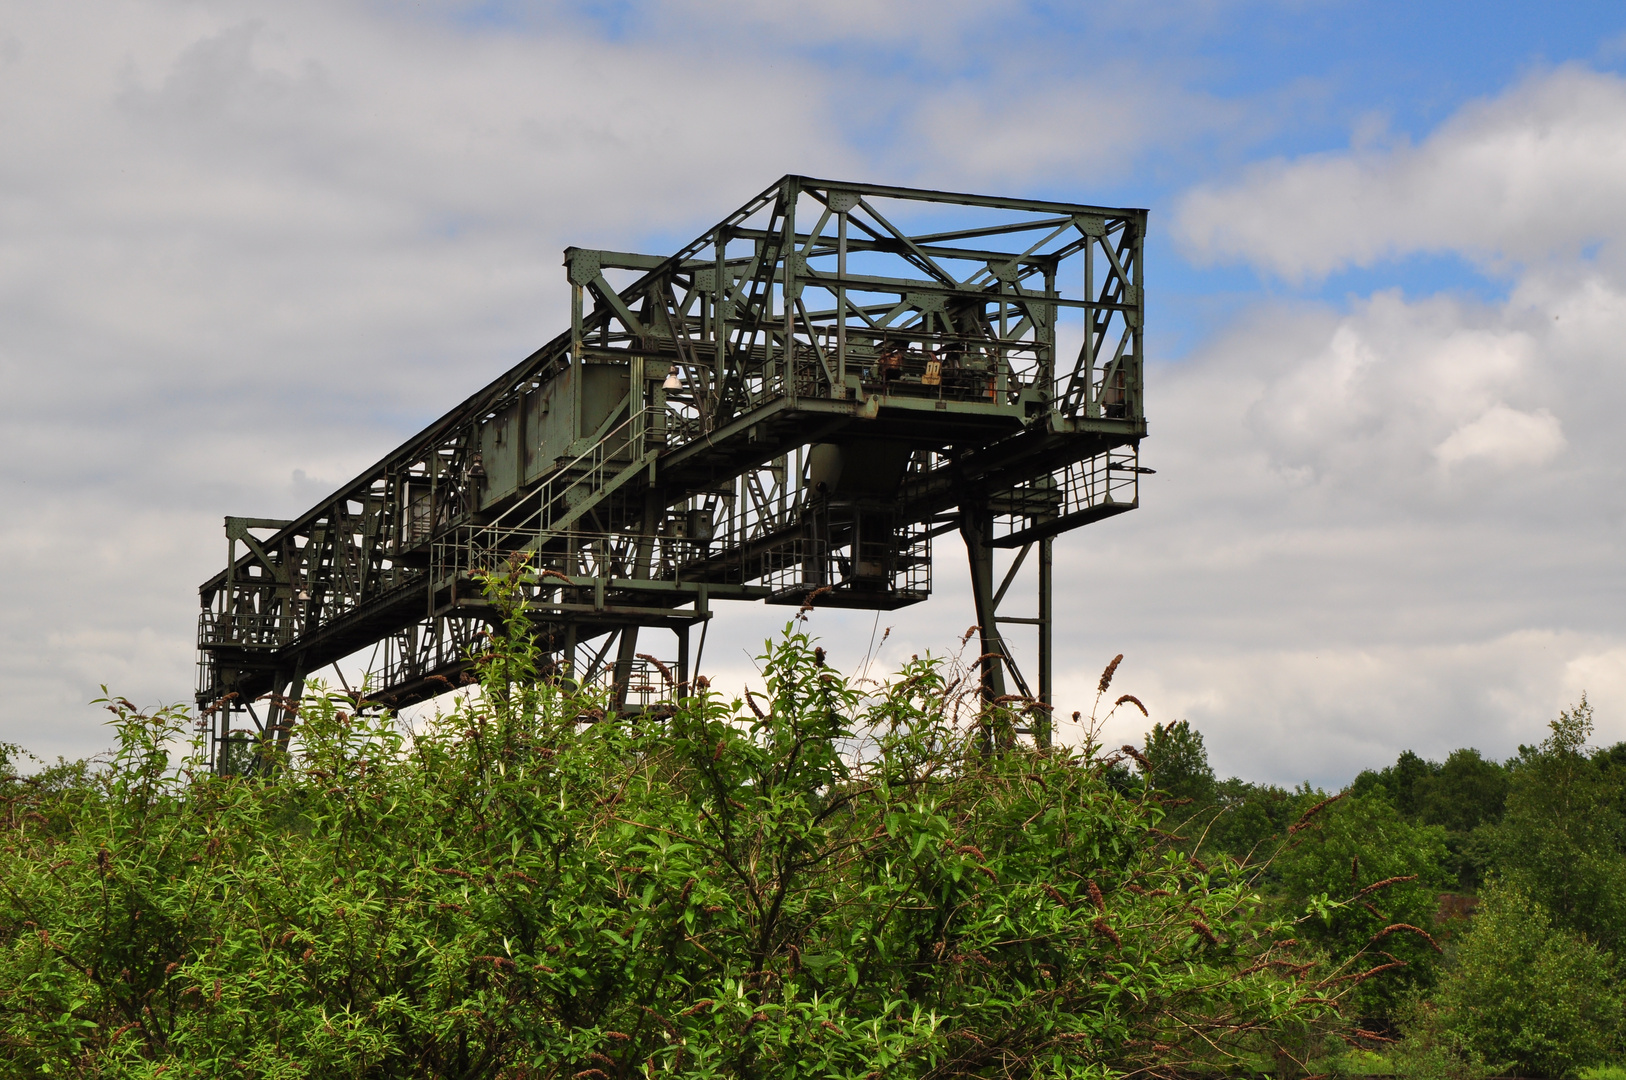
(1520, 995)
(1177, 762)
(1356, 844)
(1604, 1072)
(828, 885)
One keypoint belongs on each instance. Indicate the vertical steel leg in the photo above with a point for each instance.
(286, 711)
(624, 656)
(975, 525)
(1041, 721)
(682, 688)
(642, 568)
(222, 735)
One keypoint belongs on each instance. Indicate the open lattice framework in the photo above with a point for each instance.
(793, 405)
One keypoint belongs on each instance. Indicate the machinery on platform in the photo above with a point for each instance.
(794, 405)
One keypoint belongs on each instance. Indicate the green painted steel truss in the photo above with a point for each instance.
(790, 407)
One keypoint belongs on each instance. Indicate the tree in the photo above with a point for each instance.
(1361, 846)
(1251, 819)
(1177, 762)
(1464, 795)
(1466, 792)
(1561, 838)
(1522, 995)
(1405, 783)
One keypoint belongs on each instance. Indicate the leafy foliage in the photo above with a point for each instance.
(1309, 849)
(1563, 839)
(1465, 795)
(828, 885)
(1361, 846)
(1177, 762)
(819, 882)
(1522, 996)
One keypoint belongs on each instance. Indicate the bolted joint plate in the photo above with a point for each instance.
(584, 265)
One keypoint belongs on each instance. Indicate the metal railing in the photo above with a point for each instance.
(1104, 482)
(577, 485)
(898, 563)
(580, 556)
(254, 630)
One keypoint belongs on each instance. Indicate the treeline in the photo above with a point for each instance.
(1516, 869)
(819, 881)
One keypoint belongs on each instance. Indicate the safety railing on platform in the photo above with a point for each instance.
(253, 630)
(1113, 477)
(796, 563)
(895, 562)
(567, 558)
(1103, 483)
(580, 481)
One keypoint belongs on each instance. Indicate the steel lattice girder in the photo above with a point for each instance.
(675, 445)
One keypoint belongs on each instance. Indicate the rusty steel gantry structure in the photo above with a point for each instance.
(795, 403)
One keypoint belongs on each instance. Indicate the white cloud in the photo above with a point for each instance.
(1356, 543)
(240, 249)
(1504, 437)
(244, 250)
(1324, 713)
(1397, 521)
(1536, 173)
(1399, 384)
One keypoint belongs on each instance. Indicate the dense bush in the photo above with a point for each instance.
(828, 885)
(817, 882)
(1522, 996)
(1394, 869)
(1309, 848)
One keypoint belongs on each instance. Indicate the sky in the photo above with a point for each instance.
(246, 249)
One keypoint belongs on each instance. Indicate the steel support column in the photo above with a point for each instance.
(283, 713)
(976, 524)
(1047, 700)
(682, 633)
